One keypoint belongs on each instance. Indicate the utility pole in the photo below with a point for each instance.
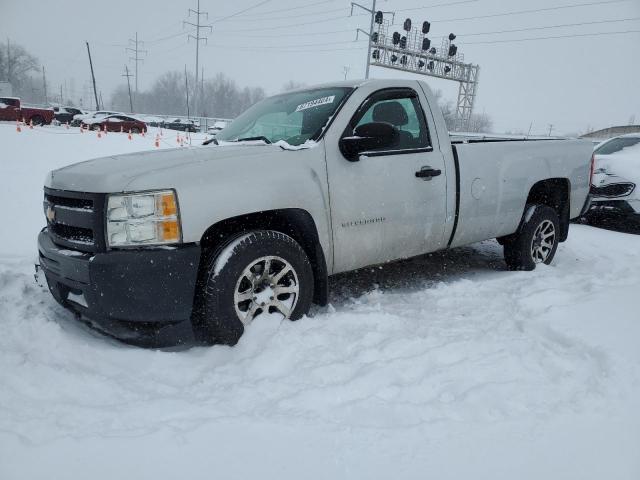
(186, 83)
(198, 13)
(8, 61)
(136, 54)
(93, 78)
(128, 75)
(60, 94)
(44, 85)
(550, 128)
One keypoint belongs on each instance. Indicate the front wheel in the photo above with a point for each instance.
(536, 241)
(253, 275)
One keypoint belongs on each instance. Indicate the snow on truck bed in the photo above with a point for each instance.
(445, 367)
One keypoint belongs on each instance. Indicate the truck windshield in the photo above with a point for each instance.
(293, 117)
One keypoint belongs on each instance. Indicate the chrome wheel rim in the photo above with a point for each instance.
(544, 238)
(267, 285)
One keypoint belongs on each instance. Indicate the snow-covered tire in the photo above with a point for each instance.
(37, 120)
(536, 241)
(235, 270)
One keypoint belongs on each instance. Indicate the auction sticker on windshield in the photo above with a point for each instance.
(315, 103)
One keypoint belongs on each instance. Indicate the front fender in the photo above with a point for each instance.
(214, 190)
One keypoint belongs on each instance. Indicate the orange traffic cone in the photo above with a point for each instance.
(105, 130)
(99, 133)
(157, 142)
(129, 136)
(31, 124)
(178, 138)
(18, 128)
(143, 132)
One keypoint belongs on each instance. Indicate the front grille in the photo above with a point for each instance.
(613, 190)
(75, 219)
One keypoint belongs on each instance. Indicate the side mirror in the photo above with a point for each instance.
(369, 136)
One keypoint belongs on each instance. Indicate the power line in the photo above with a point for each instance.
(259, 4)
(552, 37)
(561, 25)
(334, 10)
(294, 48)
(476, 17)
(307, 5)
(536, 10)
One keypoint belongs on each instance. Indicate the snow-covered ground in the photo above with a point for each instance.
(446, 367)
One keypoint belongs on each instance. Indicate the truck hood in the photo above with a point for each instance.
(114, 173)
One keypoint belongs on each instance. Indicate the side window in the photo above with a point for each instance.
(402, 110)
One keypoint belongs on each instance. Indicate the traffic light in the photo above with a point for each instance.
(452, 37)
(452, 50)
(407, 25)
(447, 69)
(396, 38)
(378, 18)
(403, 60)
(426, 26)
(376, 54)
(426, 43)
(374, 37)
(403, 42)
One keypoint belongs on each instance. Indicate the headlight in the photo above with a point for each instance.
(149, 218)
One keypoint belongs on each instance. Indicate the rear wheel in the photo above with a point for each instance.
(536, 241)
(135, 130)
(37, 120)
(253, 275)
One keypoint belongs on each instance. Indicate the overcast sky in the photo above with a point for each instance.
(574, 82)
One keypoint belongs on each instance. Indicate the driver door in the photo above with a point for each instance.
(383, 206)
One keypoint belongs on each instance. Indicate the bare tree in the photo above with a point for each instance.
(16, 64)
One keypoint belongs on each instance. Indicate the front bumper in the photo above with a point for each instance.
(143, 296)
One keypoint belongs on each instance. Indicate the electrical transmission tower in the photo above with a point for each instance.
(137, 52)
(412, 51)
(198, 26)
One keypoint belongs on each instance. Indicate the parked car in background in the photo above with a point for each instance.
(115, 123)
(217, 127)
(78, 119)
(614, 190)
(183, 125)
(66, 114)
(11, 109)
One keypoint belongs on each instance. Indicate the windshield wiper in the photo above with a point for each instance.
(248, 139)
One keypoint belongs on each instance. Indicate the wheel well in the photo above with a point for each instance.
(296, 223)
(553, 192)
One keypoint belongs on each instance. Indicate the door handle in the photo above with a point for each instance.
(428, 173)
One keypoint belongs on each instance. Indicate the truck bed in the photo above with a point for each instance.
(492, 174)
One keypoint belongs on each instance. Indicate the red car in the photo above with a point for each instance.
(12, 110)
(115, 123)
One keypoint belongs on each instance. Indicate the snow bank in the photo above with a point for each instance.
(446, 366)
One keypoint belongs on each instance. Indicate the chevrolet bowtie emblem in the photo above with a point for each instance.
(51, 213)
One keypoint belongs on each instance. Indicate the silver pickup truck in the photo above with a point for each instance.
(157, 246)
